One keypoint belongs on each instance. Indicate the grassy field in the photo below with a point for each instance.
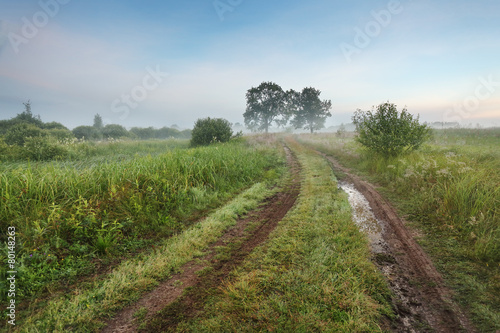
(98, 230)
(450, 191)
(73, 217)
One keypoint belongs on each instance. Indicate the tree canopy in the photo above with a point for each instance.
(269, 103)
(309, 112)
(265, 104)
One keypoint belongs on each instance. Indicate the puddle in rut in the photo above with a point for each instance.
(407, 306)
(364, 218)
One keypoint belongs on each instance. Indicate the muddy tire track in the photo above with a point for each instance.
(183, 295)
(421, 302)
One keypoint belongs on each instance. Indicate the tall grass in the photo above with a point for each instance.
(66, 215)
(450, 189)
(455, 185)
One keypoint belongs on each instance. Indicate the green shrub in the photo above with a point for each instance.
(60, 134)
(8, 152)
(389, 132)
(209, 130)
(87, 133)
(114, 131)
(40, 148)
(18, 133)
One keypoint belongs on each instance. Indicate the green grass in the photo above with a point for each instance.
(87, 306)
(71, 215)
(313, 274)
(450, 190)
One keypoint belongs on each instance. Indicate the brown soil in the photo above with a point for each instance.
(421, 301)
(169, 303)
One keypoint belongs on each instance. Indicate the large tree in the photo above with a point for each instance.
(308, 110)
(265, 104)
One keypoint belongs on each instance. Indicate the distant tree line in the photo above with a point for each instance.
(269, 103)
(26, 136)
(113, 131)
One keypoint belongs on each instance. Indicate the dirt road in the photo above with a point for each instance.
(422, 302)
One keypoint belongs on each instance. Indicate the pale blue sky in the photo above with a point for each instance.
(439, 58)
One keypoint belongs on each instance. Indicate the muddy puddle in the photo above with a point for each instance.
(407, 307)
(364, 218)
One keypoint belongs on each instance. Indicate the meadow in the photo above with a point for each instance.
(312, 273)
(449, 190)
(109, 201)
(110, 221)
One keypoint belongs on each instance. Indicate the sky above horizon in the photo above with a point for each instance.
(159, 63)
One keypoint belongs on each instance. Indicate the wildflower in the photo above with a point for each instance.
(409, 172)
(465, 169)
(450, 154)
(443, 172)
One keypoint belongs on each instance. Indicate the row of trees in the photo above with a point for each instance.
(99, 131)
(269, 103)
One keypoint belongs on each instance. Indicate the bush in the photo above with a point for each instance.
(60, 134)
(55, 125)
(210, 130)
(114, 131)
(39, 148)
(87, 133)
(388, 132)
(18, 133)
(8, 152)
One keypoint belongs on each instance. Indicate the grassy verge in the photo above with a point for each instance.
(449, 190)
(313, 274)
(70, 219)
(84, 309)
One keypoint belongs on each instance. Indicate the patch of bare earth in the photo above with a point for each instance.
(421, 300)
(170, 303)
